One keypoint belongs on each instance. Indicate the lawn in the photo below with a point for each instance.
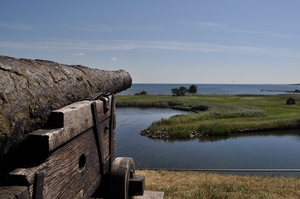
(196, 185)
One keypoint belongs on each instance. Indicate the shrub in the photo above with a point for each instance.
(182, 108)
(200, 107)
(175, 91)
(179, 91)
(193, 89)
(175, 103)
(141, 93)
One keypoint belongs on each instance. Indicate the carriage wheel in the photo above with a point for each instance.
(122, 170)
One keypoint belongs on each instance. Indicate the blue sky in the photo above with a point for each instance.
(165, 41)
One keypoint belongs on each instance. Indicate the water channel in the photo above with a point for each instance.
(261, 150)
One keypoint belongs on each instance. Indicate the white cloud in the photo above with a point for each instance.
(143, 45)
(94, 28)
(79, 54)
(97, 27)
(225, 27)
(202, 24)
(15, 26)
(137, 28)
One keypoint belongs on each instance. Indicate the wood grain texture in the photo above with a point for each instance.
(72, 166)
(73, 119)
(64, 177)
(14, 192)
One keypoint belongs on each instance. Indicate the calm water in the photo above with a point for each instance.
(263, 89)
(279, 150)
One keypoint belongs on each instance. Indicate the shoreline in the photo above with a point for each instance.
(198, 134)
(295, 91)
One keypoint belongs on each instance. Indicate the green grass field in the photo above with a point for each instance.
(219, 114)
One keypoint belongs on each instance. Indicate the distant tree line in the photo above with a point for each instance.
(183, 90)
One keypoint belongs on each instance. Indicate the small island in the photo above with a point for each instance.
(215, 114)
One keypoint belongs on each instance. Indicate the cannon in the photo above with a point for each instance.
(31, 89)
(72, 155)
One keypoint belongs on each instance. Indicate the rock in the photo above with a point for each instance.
(31, 89)
(165, 134)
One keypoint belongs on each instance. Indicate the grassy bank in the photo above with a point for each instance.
(218, 114)
(184, 185)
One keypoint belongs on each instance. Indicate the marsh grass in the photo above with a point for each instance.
(219, 114)
(196, 185)
(208, 122)
(159, 101)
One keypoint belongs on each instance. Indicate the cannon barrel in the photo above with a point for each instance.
(31, 89)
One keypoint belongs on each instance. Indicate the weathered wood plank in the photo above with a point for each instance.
(64, 176)
(71, 171)
(112, 133)
(136, 185)
(14, 192)
(71, 164)
(73, 119)
(26, 176)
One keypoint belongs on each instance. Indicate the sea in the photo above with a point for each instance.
(260, 89)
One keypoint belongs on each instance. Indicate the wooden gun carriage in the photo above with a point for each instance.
(74, 156)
